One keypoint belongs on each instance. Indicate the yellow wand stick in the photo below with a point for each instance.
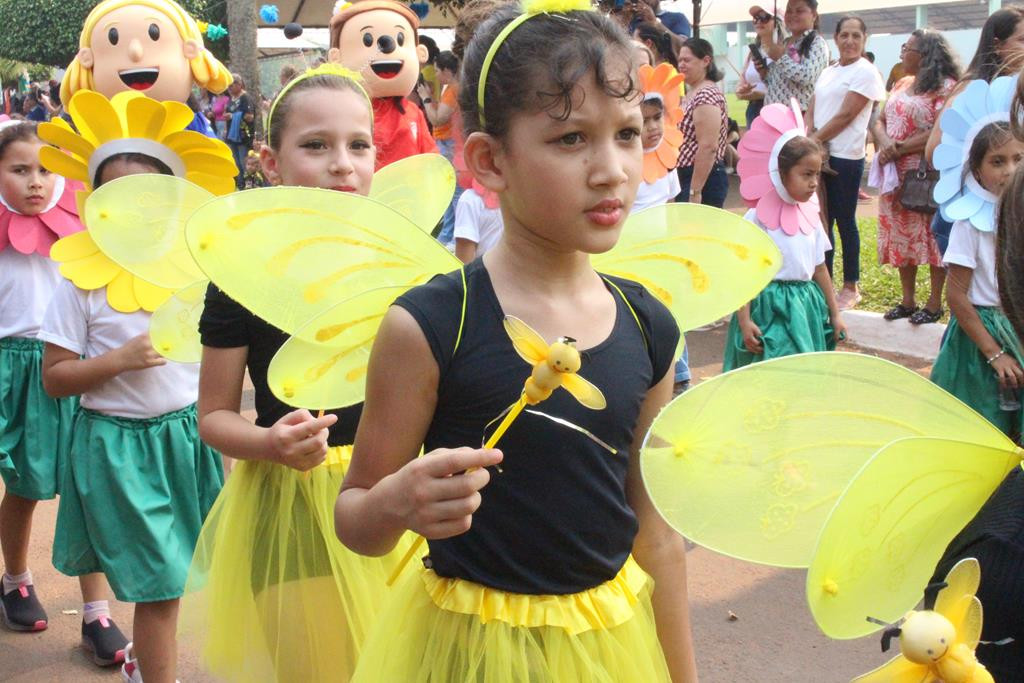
(553, 366)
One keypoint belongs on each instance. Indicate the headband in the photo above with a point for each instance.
(327, 69)
(531, 8)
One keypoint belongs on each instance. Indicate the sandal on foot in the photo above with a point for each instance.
(105, 641)
(20, 610)
(924, 316)
(900, 311)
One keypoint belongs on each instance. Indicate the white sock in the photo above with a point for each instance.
(95, 610)
(12, 582)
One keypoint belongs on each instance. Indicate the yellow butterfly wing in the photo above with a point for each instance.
(750, 463)
(290, 253)
(701, 262)
(584, 392)
(899, 669)
(419, 187)
(961, 581)
(323, 367)
(886, 533)
(139, 222)
(530, 346)
(174, 327)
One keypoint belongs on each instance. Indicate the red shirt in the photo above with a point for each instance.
(398, 134)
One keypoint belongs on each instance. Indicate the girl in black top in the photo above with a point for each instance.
(531, 573)
(278, 597)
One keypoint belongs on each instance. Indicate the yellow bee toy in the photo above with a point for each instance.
(938, 644)
(553, 366)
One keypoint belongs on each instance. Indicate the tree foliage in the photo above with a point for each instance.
(47, 31)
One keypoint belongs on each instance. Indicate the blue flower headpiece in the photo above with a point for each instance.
(959, 194)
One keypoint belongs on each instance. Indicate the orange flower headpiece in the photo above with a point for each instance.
(662, 83)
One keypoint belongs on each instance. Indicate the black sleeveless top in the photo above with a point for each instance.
(227, 324)
(555, 520)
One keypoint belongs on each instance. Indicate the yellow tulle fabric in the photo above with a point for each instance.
(514, 638)
(272, 595)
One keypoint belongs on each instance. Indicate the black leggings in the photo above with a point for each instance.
(841, 191)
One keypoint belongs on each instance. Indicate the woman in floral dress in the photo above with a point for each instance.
(904, 236)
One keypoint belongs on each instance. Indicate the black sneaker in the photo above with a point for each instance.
(21, 611)
(105, 641)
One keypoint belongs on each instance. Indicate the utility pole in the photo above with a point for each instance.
(242, 54)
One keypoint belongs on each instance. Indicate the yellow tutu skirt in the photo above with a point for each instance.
(272, 594)
(450, 630)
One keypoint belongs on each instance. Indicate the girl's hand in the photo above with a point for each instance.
(752, 337)
(138, 354)
(437, 494)
(839, 328)
(299, 440)
(1009, 372)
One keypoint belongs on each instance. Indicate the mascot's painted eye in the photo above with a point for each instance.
(367, 39)
(401, 39)
(154, 32)
(112, 36)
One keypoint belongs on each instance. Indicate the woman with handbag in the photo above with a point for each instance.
(905, 239)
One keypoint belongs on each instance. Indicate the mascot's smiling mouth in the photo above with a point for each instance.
(387, 68)
(139, 79)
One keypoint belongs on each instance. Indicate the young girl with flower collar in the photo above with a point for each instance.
(797, 311)
(38, 208)
(541, 570)
(981, 357)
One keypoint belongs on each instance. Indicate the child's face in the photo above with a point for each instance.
(590, 165)
(252, 164)
(25, 185)
(119, 168)
(999, 164)
(801, 182)
(327, 142)
(654, 127)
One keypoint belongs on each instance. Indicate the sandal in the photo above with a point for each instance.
(924, 316)
(900, 311)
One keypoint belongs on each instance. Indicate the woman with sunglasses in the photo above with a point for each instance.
(752, 87)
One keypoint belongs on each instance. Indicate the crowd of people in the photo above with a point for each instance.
(544, 553)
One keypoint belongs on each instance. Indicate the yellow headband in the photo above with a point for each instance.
(531, 8)
(327, 69)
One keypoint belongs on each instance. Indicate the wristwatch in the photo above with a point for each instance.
(694, 193)
(427, 100)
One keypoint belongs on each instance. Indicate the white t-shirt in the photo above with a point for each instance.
(84, 323)
(972, 248)
(829, 92)
(661, 191)
(801, 253)
(27, 282)
(752, 76)
(476, 223)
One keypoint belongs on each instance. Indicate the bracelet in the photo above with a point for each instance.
(695, 193)
(996, 357)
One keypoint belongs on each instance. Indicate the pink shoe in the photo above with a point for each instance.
(863, 196)
(848, 298)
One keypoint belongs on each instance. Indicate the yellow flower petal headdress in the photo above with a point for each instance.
(128, 122)
(662, 83)
(531, 8)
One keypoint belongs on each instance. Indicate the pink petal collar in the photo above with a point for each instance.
(36, 234)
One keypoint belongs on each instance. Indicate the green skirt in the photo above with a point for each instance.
(793, 318)
(134, 498)
(35, 430)
(961, 369)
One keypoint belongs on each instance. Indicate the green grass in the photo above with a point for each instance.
(737, 109)
(879, 285)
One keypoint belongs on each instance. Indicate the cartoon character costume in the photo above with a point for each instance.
(382, 47)
(150, 46)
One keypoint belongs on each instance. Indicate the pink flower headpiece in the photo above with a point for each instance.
(760, 181)
(35, 234)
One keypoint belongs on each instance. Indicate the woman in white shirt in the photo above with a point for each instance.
(752, 87)
(839, 114)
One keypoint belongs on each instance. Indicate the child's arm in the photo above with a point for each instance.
(465, 250)
(1006, 368)
(751, 332)
(297, 440)
(66, 373)
(661, 551)
(824, 282)
(387, 488)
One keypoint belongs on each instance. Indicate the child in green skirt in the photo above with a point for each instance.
(980, 358)
(139, 481)
(37, 208)
(797, 311)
